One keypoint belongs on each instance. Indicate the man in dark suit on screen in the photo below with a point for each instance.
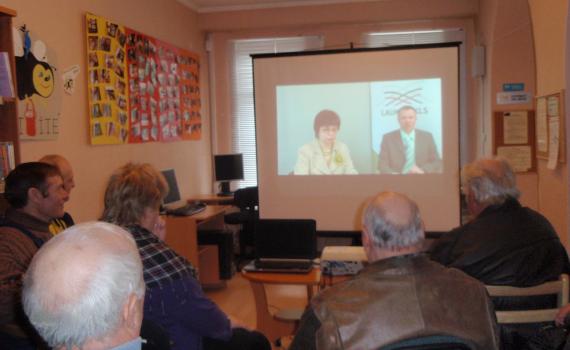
(408, 150)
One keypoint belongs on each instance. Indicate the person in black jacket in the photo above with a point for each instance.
(505, 243)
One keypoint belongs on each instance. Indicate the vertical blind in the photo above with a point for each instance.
(243, 118)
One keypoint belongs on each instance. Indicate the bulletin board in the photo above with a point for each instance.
(514, 138)
(550, 127)
(140, 89)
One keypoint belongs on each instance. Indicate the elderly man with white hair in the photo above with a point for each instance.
(504, 243)
(85, 289)
(401, 295)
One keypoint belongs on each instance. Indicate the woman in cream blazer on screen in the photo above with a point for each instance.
(324, 155)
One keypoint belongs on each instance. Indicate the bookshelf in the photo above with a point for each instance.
(8, 105)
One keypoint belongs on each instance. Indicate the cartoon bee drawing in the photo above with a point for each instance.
(34, 74)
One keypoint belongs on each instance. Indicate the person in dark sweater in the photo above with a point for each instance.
(36, 195)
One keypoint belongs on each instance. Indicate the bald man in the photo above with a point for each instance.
(59, 224)
(400, 295)
(505, 243)
(85, 289)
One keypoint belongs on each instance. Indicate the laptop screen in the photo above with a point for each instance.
(286, 239)
(173, 193)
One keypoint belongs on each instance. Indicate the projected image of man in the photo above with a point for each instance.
(408, 150)
(325, 155)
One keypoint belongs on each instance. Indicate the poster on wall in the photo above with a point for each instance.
(106, 82)
(147, 90)
(39, 93)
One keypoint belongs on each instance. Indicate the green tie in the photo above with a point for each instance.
(410, 154)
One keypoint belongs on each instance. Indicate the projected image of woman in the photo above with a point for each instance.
(324, 155)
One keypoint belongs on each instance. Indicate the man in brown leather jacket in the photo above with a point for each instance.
(401, 295)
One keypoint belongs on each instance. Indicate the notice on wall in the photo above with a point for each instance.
(541, 126)
(513, 97)
(554, 142)
(515, 127)
(519, 157)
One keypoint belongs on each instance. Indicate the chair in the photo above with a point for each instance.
(247, 200)
(559, 288)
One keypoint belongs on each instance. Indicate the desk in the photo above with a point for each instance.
(283, 322)
(212, 199)
(182, 232)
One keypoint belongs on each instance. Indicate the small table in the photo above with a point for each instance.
(284, 322)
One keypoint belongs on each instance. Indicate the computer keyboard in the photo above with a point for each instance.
(186, 210)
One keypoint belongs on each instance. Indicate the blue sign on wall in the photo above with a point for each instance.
(513, 87)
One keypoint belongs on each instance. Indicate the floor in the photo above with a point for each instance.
(236, 299)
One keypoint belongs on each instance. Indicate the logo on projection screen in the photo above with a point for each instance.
(397, 99)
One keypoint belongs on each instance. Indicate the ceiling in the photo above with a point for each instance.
(236, 5)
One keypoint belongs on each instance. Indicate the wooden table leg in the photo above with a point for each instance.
(272, 328)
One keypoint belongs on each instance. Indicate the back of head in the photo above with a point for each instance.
(78, 282)
(393, 221)
(130, 190)
(53, 159)
(489, 181)
(26, 176)
(64, 168)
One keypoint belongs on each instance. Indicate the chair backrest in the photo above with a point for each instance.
(247, 199)
(560, 288)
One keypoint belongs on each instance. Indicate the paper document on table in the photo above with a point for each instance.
(553, 142)
(515, 127)
(519, 157)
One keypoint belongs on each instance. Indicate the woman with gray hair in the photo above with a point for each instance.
(174, 298)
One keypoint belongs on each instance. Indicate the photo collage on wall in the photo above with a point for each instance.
(140, 88)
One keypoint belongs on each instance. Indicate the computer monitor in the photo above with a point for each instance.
(228, 167)
(173, 192)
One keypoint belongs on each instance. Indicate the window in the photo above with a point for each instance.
(243, 118)
(384, 39)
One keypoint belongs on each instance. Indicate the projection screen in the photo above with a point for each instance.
(334, 128)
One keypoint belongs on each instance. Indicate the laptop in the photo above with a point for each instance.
(284, 245)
